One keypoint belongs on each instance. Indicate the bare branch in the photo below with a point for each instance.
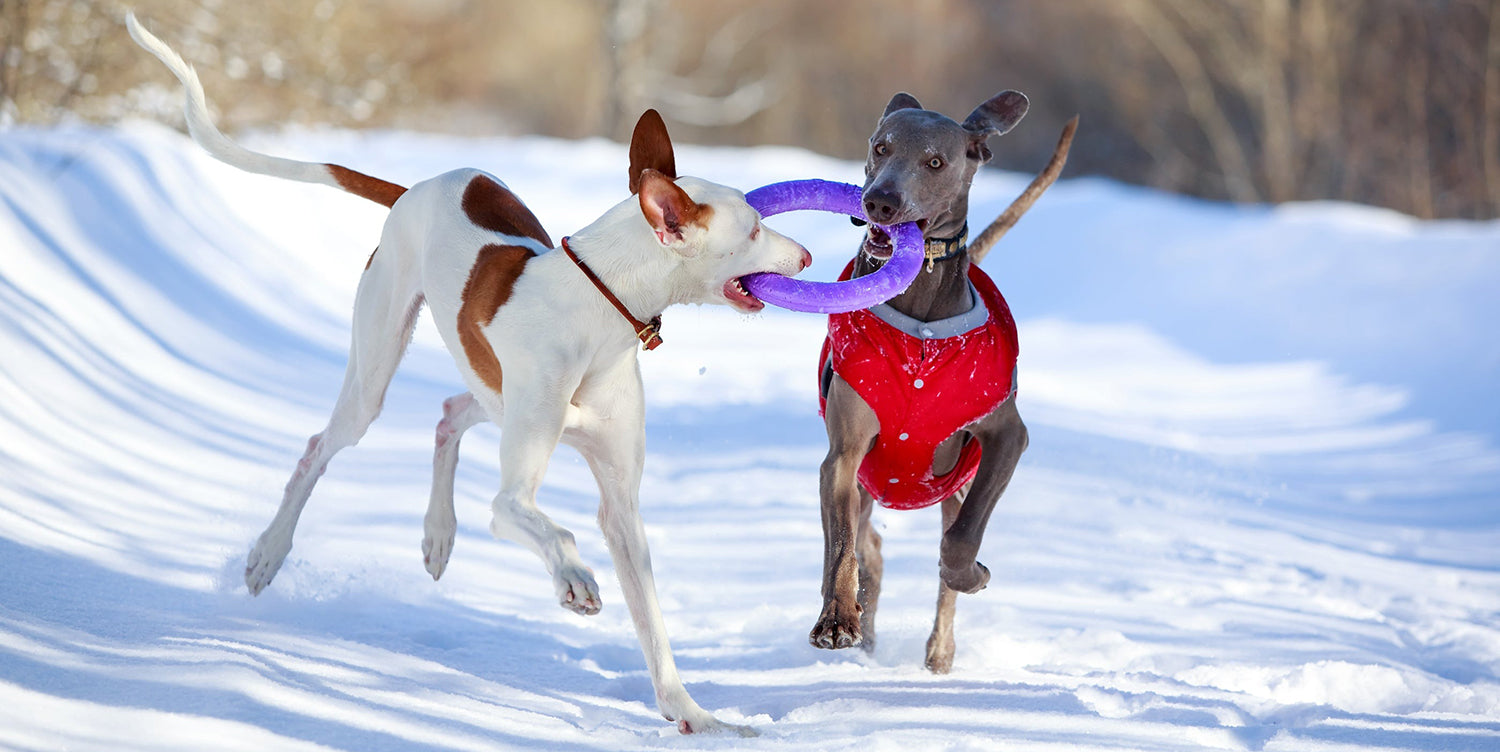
(1198, 87)
(1419, 137)
(1490, 143)
(984, 241)
(727, 109)
(1275, 106)
(16, 19)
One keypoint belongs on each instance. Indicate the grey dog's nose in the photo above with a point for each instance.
(880, 205)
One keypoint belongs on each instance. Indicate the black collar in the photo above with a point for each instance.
(935, 249)
(942, 249)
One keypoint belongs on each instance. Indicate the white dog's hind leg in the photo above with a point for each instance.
(530, 429)
(385, 311)
(612, 439)
(460, 413)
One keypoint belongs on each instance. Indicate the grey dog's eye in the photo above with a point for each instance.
(880, 150)
(935, 163)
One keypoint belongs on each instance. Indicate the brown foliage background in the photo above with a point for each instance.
(1388, 102)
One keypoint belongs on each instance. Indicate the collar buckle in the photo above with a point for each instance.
(650, 334)
(942, 249)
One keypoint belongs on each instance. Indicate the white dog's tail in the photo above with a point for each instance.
(217, 144)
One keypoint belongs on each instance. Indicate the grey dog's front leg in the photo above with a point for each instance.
(852, 427)
(940, 644)
(1002, 438)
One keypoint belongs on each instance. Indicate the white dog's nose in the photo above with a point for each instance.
(806, 260)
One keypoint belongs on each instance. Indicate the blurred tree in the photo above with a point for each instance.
(1489, 127)
(1389, 102)
(1372, 100)
(323, 61)
(647, 48)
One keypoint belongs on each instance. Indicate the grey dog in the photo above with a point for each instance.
(919, 168)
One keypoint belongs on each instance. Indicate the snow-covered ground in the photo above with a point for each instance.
(1261, 509)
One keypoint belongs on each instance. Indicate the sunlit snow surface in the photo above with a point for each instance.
(1261, 508)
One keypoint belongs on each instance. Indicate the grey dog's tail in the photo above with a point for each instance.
(985, 240)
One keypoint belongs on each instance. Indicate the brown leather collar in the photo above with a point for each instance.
(648, 332)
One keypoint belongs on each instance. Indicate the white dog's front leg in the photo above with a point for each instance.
(460, 413)
(531, 427)
(613, 442)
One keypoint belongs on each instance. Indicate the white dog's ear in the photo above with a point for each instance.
(650, 149)
(669, 210)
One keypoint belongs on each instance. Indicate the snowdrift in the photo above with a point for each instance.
(1259, 511)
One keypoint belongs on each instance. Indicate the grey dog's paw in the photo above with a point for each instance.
(940, 649)
(970, 579)
(837, 627)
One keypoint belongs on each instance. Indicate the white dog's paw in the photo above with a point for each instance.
(691, 719)
(264, 562)
(711, 725)
(437, 546)
(576, 590)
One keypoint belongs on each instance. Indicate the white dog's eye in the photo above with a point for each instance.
(755, 231)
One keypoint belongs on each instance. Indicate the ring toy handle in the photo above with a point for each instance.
(833, 297)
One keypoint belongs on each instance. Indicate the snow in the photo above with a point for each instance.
(1259, 510)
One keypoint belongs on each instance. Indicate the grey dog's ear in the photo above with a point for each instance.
(999, 114)
(901, 101)
(994, 118)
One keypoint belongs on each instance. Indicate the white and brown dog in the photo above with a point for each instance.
(544, 356)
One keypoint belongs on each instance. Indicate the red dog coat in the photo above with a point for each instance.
(925, 380)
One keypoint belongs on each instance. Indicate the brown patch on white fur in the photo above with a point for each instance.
(496, 269)
(491, 206)
(667, 207)
(364, 186)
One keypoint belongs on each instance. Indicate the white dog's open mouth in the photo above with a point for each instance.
(740, 298)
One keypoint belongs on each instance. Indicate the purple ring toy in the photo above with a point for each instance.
(833, 297)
